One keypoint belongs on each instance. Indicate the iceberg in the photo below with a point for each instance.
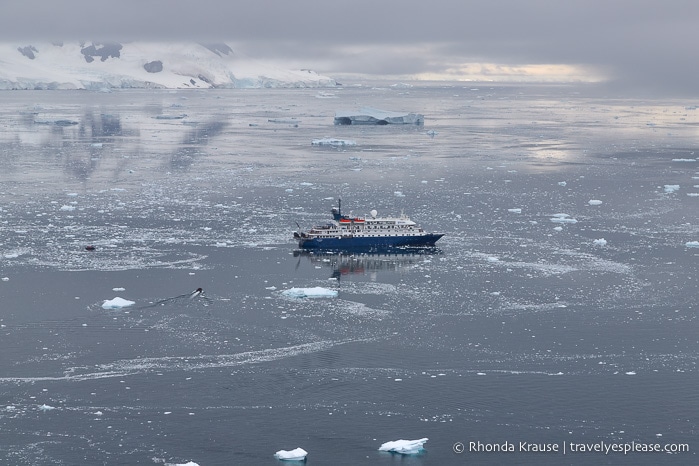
(317, 292)
(374, 116)
(116, 303)
(297, 454)
(692, 244)
(404, 447)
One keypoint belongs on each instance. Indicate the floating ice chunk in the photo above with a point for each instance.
(563, 218)
(398, 193)
(594, 202)
(432, 133)
(373, 116)
(515, 211)
(562, 183)
(119, 289)
(67, 208)
(404, 447)
(116, 303)
(684, 160)
(692, 244)
(600, 242)
(671, 188)
(317, 292)
(46, 408)
(6, 279)
(189, 463)
(333, 142)
(630, 373)
(297, 454)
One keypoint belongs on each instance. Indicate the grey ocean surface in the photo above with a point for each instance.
(542, 317)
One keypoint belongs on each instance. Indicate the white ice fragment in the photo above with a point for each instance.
(297, 454)
(116, 303)
(594, 202)
(404, 447)
(46, 408)
(67, 208)
(689, 244)
(630, 373)
(671, 188)
(558, 228)
(398, 193)
(600, 242)
(684, 160)
(562, 183)
(5, 279)
(563, 218)
(118, 289)
(515, 211)
(316, 292)
(333, 142)
(189, 463)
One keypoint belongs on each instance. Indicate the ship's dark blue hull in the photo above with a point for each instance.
(374, 242)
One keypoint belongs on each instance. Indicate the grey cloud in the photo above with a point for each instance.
(642, 42)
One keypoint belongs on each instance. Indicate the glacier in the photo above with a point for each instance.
(135, 65)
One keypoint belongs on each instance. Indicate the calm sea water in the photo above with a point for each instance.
(559, 309)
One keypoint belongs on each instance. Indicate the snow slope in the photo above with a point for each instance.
(141, 65)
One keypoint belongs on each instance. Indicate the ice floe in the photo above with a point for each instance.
(594, 202)
(333, 142)
(315, 292)
(404, 447)
(600, 242)
(45, 408)
(297, 454)
(692, 244)
(117, 303)
(671, 188)
(563, 218)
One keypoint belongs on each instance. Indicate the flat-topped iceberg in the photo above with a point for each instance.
(297, 454)
(316, 292)
(374, 116)
(404, 447)
(116, 303)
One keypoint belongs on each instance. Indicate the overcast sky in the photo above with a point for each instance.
(650, 45)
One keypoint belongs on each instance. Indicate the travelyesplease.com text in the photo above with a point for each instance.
(570, 447)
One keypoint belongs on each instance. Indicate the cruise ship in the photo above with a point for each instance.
(345, 232)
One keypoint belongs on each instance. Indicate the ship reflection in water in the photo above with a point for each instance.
(371, 262)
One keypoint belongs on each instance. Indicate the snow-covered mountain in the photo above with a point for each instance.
(91, 65)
